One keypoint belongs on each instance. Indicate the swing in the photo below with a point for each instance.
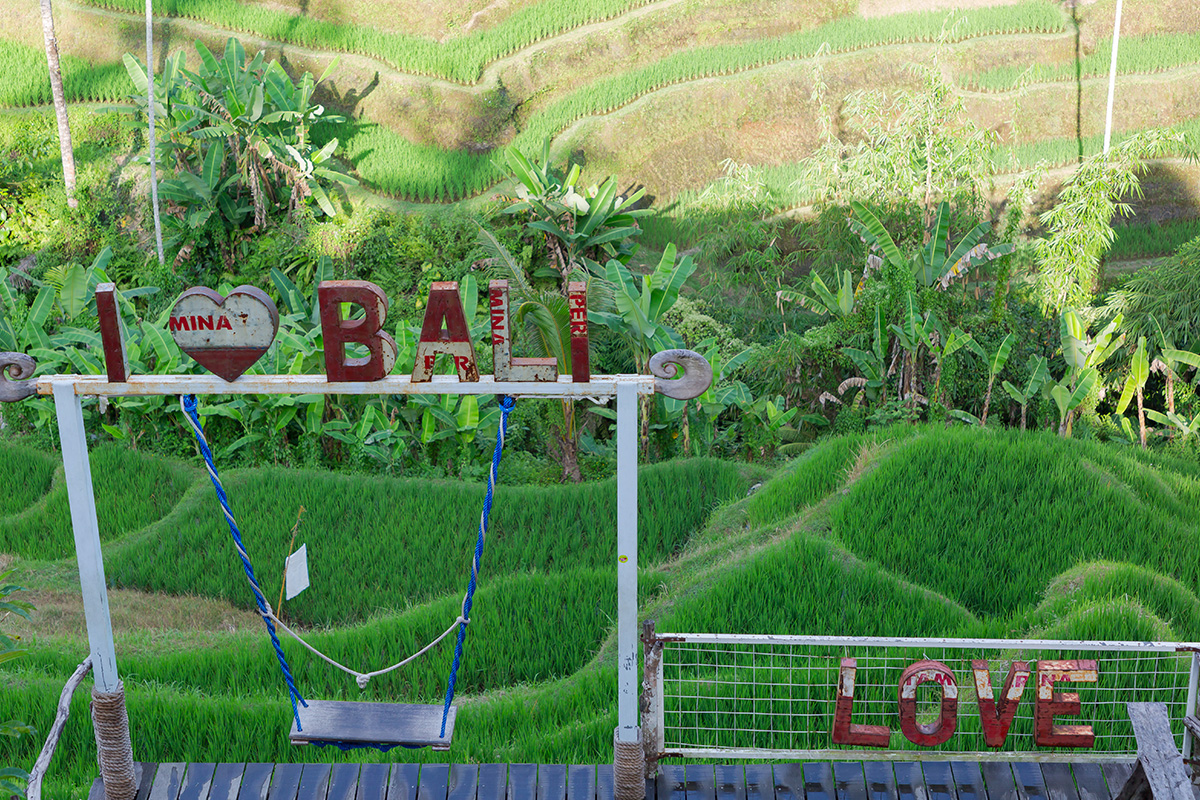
(351, 725)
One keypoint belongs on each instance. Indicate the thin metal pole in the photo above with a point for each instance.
(627, 608)
(87, 536)
(1112, 79)
(1190, 708)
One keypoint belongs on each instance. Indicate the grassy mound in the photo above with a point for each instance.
(385, 544)
(132, 490)
(988, 519)
(25, 475)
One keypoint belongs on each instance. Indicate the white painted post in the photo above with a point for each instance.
(87, 535)
(627, 605)
(1112, 79)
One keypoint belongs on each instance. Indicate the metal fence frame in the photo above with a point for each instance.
(654, 710)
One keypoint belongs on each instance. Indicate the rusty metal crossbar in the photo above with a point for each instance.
(773, 696)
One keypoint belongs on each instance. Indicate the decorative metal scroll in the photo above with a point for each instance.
(697, 374)
(15, 369)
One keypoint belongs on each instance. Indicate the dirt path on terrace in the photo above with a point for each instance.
(886, 8)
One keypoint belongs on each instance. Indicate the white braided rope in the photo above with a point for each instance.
(361, 678)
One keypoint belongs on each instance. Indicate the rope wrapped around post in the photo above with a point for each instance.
(629, 768)
(113, 748)
(506, 406)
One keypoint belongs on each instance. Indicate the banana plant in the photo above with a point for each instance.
(580, 228)
(911, 336)
(1069, 395)
(640, 311)
(823, 301)
(1167, 361)
(941, 346)
(1039, 373)
(995, 363)
(871, 364)
(935, 264)
(717, 398)
(1135, 382)
(1181, 424)
(1082, 355)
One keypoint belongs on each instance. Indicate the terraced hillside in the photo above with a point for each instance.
(658, 92)
(911, 531)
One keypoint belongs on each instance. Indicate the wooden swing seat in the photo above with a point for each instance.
(353, 722)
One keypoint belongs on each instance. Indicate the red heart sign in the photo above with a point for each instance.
(226, 335)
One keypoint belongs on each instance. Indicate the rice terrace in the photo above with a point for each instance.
(673, 399)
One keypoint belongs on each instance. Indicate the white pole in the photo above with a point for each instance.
(87, 535)
(1190, 708)
(1112, 79)
(152, 133)
(627, 608)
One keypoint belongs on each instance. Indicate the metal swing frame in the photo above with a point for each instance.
(692, 376)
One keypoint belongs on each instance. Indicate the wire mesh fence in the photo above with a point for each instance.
(714, 695)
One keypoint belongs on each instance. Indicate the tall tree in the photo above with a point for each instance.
(60, 102)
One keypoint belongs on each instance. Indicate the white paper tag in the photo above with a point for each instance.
(296, 573)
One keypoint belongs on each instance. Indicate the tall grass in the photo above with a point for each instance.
(1153, 239)
(27, 79)
(524, 629)
(988, 520)
(386, 543)
(1137, 55)
(25, 476)
(132, 490)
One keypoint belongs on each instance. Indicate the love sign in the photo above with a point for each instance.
(225, 335)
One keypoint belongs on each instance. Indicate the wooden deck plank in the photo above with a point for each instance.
(227, 782)
(910, 781)
(1059, 783)
(343, 781)
(314, 782)
(670, 784)
(256, 782)
(434, 778)
(606, 787)
(493, 780)
(581, 782)
(1030, 784)
(881, 780)
(285, 782)
(698, 779)
(730, 782)
(197, 781)
(760, 784)
(522, 782)
(1089, 779)
(789, 782)
(818, 781)
(463, 782)
(968, 781)
(552, 782)
(168, 780)
(999, 781)
(939, 780)
(373, 783)
(1116, 773)
(849, 781)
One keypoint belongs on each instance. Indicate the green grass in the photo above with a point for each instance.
(27, 79)
(1136, 55)
(386, 543)
(1153, 239)
(25, 476)
(958, 512)
(132, 490)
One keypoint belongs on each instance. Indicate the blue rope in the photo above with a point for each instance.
(506, 406)
(189, 406)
